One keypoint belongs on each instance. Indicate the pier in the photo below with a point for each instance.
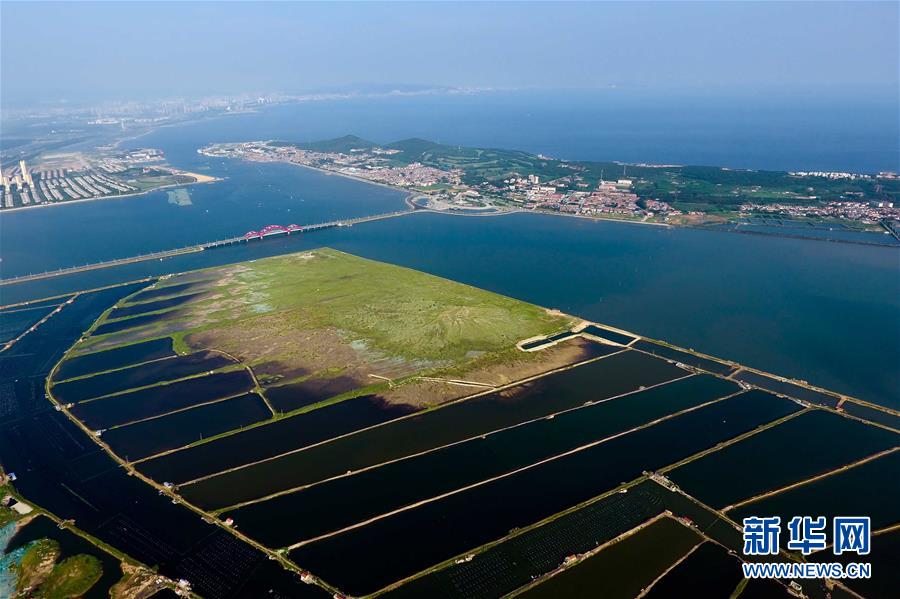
(264, 233)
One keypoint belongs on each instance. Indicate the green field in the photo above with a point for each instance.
(324, 313)
(72, 577)
(397, 310)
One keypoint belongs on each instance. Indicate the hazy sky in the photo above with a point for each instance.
(92, 51)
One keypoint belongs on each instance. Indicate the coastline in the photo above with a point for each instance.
(206, 179)
(409, 193)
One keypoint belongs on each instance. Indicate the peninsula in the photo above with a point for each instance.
(478, 180)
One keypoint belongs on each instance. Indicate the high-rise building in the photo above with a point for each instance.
(26, 176)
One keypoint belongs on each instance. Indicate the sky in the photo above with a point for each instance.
(77, 52)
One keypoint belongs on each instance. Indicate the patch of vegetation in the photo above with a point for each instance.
(7, 515)
(479, 165)
(389, 309)
(36, 566)
(72, 577)
(343, 144)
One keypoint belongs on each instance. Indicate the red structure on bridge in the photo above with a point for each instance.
(272, 230)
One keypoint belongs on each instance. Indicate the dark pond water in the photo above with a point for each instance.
(161, 291)
(607, 377)
(788, 389)
(116, 326)
(609, 335)
(519, 559)
(153, 306)
(286, 398)
(624, 569)
(885, 575)
(764, 589)
(64, 471)
(335, 504)
(872, 414)
(372, 556)
(810, 444)
(548, 340)
(276, 437)
(182, 428)
(709, 568)
(138, 376)
(47, 303)
(16, 321)
(119, 357)
(153, 401)
(869, 489)
(683, 357)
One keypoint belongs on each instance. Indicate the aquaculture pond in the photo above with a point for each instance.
(117, 326)
(16, 321)
(163, 291)
(111, 359)
(40, 303)
(872, 414)
(759, 588)
(335, 504)
(670, 353)
(885, 547)
(709, 568)
(548, 340)
(141, 375)
(869, 489)
(286, 398)
(785, 388)
(62, 469)
(624, 569)
(152, 436)
(367, 558)
(620, 373)
(70, 544)
(278, 436)
(810, 444)
(613, 336)
(130, 310)
(161, 399)
(519, 559)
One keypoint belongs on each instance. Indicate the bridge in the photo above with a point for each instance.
(250, 236)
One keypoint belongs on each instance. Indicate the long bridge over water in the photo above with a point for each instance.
(265, 232)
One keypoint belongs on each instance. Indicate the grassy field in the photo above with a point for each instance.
(72, 577)
(324, 314)
(396, 310)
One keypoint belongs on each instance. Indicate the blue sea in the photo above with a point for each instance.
(820, 311)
